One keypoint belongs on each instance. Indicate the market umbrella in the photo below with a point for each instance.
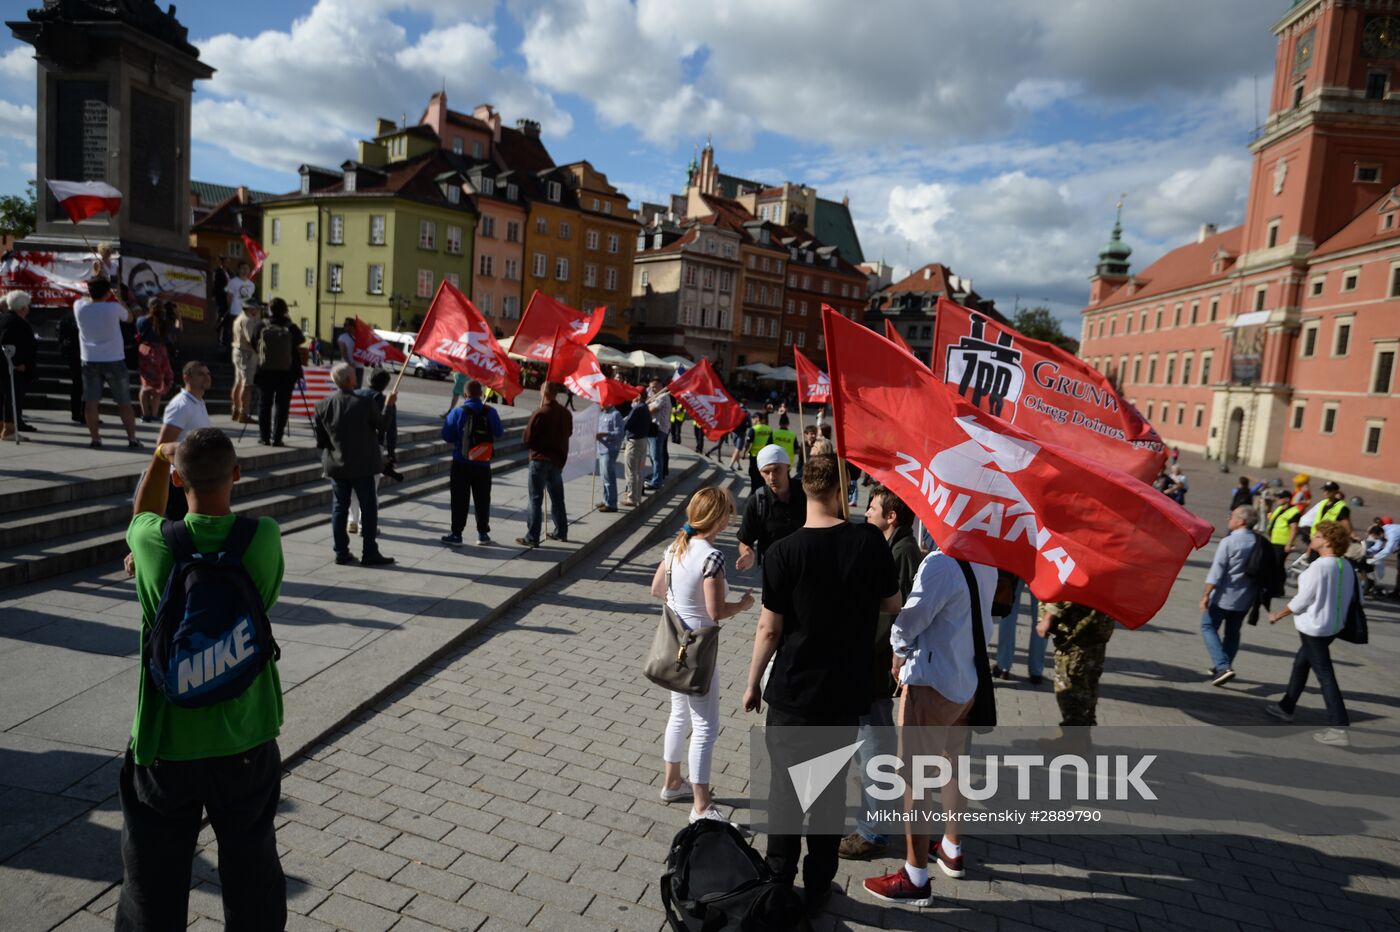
(762, 370)
(785, 374)
(609, 356)
(675, 362)
(641, 359)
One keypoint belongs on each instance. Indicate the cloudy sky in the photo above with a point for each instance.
(994, 137)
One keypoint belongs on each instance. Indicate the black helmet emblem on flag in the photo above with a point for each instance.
(987, 374)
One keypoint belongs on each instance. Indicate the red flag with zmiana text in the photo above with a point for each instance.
(370, 348)
(813, 385)
(534, 337)
(574, 366)
(704, 398)
(1073, 528)
(455, 334)
(1049, 393)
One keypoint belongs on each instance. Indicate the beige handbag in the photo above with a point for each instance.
(680, 659)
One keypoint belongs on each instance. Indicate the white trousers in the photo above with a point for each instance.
(697, 716)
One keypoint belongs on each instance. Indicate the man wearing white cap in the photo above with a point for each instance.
(774, 511)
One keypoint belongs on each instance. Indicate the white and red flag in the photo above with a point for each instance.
(255, 253)
(813, 385)
(83, 199)
(892, 334)
(534, 337)
(988, 491)
(370, 348)
(704, 398)
(455, 334)
(574, 366)
(1044, 390)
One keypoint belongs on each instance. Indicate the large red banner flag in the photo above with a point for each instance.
(989, 492)
(892, 334)
(534, 337)
(255, 253)
(455, 334)
(702, 395)
(574, 366)
(1042, 389)
(370, 348)
(813, 385)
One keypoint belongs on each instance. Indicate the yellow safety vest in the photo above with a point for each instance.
(1330, 511)
(762, 436)
(788, 441)
(1279, 520)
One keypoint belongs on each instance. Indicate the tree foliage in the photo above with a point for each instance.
(17, 213)
(1039, 323)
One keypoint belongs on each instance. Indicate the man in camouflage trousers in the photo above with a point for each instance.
(1081, 639)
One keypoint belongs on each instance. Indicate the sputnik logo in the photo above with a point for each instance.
(811, 777)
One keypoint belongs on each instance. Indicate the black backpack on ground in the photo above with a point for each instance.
(716, 881)
(211, 636)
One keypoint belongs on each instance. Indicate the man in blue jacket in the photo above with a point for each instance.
(471, 429)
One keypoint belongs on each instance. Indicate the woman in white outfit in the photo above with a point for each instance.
(697, 594)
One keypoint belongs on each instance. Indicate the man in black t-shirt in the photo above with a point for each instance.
(773, 512)
(824, 587)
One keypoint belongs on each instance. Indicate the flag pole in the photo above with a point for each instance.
(802, 426)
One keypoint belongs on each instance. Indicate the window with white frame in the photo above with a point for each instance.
(484, 302)
(376, 229)
(708, 279)
(512, 192)
(687, 314)
(1371, 445)
(645, 279)
(1307, 342)
(540, 265)
(554, 191)
(1271, 234)
(454, 194)
(801, 339)
(542, 226)
(610, 278)
(454, 239)
(791, 306)
(510, 307)
(590, 275)
(276, 230)
(476, 149)
(565, 230)
(512, 231)
(235, 248)
(1383, 367)
(487, 227)
(310, 277)
(691, 275)
(335, 277)
(561, 268)
(590, 239)
(512, 270)
(1206, 360)
(425, 283)
(376, 279)
(801, 308)
(748, 325)
(1350, 279)
(310, 231)
(337, 234)
(427, 234)
(826, 286)
(486, 265)
(1317, 285)
(787, 337)
(614, 243)
(1300, 410)
(453, 279)
(457, 147)
(488, 186)
(726, 280)
(1329, 418)
(1341, 336)
(273, 275)
(772, 327)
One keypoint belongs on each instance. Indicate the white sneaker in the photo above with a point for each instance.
(684, 791)
(1336, 736)
(352, 528)
(710, 813)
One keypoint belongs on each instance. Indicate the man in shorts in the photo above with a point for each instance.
(246, 327)
(103, 356)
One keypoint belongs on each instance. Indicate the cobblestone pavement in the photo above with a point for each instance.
(513, 785)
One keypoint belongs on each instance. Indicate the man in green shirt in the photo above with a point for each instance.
(221, 759)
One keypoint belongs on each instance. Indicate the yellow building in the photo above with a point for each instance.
(608, 245)
(553, 232)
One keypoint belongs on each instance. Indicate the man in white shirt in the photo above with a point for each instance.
(185, 412)
(239, 291)
(345, 343)
(104, 358)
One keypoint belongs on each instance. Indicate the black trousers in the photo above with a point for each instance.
(161, 810)
(819, 867)
(275, 403)
(1314, 655)
(470, 483)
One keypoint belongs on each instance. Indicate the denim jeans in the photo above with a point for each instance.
(1222, 651)
(545, 475)
(657, 449)
(1314, 655)
(1006, 636)
(607, 471)
(364, 490)
(877, 731)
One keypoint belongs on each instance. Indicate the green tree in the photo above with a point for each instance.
(17, 213)
(1039, 323)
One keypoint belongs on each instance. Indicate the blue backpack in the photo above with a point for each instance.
(211, 636)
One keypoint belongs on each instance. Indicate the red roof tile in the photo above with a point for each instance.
(1181, 268)
(1364, 229)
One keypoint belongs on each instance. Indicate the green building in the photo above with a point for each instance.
(374, 239)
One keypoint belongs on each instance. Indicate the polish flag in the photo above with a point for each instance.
(370, 348)
(988, 491)
(1049, 393)
(534, 337)
(455, 334)
(574, 366)
(83, 199)
(892, 334)
(702, 395)
(813, 385)
(255, 252)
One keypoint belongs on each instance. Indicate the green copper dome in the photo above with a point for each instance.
(1113, 257)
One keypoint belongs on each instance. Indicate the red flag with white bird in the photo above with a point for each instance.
(255, 252)
(704, 398)
(1073, 528)
(813, 385)
(456, 334)
(83, 199)
(1046, 391)
(370, 348)
(534, 337)
(574, 366)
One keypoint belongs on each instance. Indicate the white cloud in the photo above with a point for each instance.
(18, 63)
(17, 121)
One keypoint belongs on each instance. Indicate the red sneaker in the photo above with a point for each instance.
(898, 888)
(953, 867)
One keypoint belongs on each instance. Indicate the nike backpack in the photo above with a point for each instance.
(715, 880)
(211, 636)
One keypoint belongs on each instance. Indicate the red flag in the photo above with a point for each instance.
(702, 395)
(987, 491)
(83, 199)
(813, 385)
(455, 334)
(892, 334)
(576, 367)
(255, 252)
(1045, 391)
(534, 337)
(370, 348)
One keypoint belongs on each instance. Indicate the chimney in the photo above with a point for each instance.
(488, 115)
(966, 285)
(242, 194)
(928, 273)
(436, 117)
(530, 128)
(1207, 230)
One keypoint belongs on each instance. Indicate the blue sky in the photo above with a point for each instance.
(992, 137)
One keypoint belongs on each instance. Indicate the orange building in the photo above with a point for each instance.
(1273, 344)
(608, 242)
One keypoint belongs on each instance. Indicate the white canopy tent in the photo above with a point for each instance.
(641, 359)
(785, 374)
(675, 362)
(609, 356)
(762, 370)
